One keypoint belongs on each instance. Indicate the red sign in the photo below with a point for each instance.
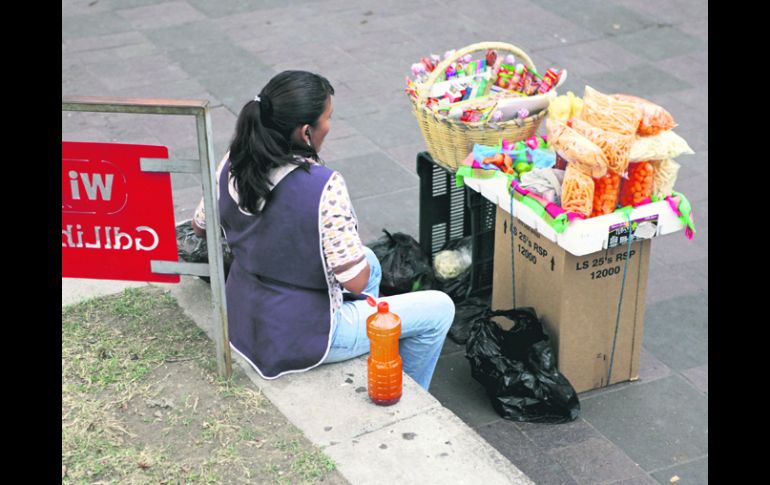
(115, 217)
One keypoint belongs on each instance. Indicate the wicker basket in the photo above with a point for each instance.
(449, 141)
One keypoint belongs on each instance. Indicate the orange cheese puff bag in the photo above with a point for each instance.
(638, 188)
(654, 118)
(606, 191)
(577, 191)
(616, 147)
(576, 148)
(610, 114)
(664, 179)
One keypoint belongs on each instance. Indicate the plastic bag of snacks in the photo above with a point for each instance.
(664, 179)
(576, 148)
(565, 106)
(606, 191)
(663, 146)
(616, 147)
(609, 113)
(577, 191)
(654, 120)
(637, 188)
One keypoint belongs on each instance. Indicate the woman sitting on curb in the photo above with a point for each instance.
(294, 291)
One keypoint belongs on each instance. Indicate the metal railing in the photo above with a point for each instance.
(215, 267)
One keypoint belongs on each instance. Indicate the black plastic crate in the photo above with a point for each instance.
(448, 212)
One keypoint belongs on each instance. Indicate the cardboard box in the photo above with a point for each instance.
(576, 298)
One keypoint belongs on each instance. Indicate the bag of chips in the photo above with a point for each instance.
(577, 191)
(615, 146)
(576, 148)
(606, 191)
(610, 114)
(654, 120)
(664, 178)
(665, 145)
(637, 188)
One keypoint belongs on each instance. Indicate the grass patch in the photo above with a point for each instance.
(141, 403)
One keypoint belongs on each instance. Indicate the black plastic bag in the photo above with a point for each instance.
(405, 267)
(466, 312)
(518, 370)
(453, 257)
(193, 249)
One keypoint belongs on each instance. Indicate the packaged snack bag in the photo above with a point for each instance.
(659, 147)
(638, 187)
(616, 147)
(577, 191)
(576, 148)
(664, 178)
(606, 191)
(565, 106)
(610, 114)
(654, 120)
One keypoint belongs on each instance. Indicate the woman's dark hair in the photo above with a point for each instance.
(262, 140)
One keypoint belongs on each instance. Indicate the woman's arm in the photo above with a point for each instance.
(342, 245)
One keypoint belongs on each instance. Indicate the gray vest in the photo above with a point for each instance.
(278, 299)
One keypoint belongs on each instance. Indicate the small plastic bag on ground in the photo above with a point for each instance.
(405, 267)
(518, 370)
(466, 312)
(193, 249)
(452, 268)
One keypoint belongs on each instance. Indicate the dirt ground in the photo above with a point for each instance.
(141, 403)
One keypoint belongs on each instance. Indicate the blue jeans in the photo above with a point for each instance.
(425, 320)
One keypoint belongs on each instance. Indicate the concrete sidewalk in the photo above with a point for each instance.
(643, 432)
(416, 440)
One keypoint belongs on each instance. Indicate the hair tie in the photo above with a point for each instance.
(265, 107)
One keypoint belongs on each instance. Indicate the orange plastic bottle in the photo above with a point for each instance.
(385, 379)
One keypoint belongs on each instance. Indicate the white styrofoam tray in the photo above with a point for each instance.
(581, 236)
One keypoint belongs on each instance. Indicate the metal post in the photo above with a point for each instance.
(214, 240)
(204, 166)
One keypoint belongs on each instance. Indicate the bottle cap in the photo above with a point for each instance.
(382, 307)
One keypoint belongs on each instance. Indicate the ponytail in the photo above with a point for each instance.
(262, 140)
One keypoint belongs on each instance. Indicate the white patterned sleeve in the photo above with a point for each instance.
(341, 243)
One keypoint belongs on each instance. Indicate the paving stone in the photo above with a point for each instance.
(163, 15)
(352, 146)
(522, 452)
(178, 36)
(590, 57)
(692, 473)
(224, 8)
(670, 11)
(406, 155)
(600, 17)
(140, 71)
(92, 25)
(657, 424)
(691, 67)
(70, 45)
(658, 43)
(117, 53)
(455, 389)
(641, 80)
(596, 460)
(640, 480)
(551, 437)
(699, 377)
(389, 128)
(374, 174)
(394, 211)
(676, 331)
